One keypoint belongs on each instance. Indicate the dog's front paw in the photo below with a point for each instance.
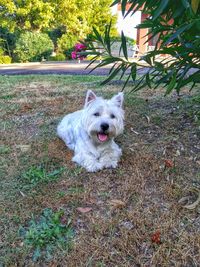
(111, 165)
(89, 163)
(93, 168)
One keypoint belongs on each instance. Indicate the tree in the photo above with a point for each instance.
(65, 21)
(179, 41)
(32, 15)
(79, 16)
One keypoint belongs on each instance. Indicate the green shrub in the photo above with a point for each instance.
(58, 57)
(66, 42)
(33, 46)
(5, 59)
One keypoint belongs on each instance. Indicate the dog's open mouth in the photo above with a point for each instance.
(102, 137)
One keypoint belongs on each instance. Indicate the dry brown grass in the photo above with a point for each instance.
(129, 204)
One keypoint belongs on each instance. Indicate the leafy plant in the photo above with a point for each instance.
(51, 231)
(176, 25)
(5, 59)
(58, 57)
(39, 174)
(33, 47)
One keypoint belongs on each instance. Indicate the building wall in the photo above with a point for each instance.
(128, 24)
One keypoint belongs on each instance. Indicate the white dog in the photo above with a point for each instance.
(90, 132)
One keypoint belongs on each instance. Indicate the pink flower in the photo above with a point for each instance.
(78, 47)
(74, 55)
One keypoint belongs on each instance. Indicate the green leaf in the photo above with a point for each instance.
(126, 82)
(107, 37)
(195, 5)
(124, 46)
(112, 75)
(160, 9)
(148, 81)
(171, 84)
(97, 35)
(133, 72)
(185, 3)
(123, 6)
(107, 61)
(115, 2)
(178, 32)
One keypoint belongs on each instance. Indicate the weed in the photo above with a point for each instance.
(7, 97)
(39, 174)
(52, 230)
(4, 149)
(60, 194)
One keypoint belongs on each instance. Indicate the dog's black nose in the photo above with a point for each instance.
(104, 126)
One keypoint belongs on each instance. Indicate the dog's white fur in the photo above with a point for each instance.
(80, 132)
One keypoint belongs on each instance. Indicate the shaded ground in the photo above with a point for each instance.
(133, 215)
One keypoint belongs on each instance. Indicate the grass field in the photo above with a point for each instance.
(54, 213)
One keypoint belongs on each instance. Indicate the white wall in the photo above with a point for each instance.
(128, 24)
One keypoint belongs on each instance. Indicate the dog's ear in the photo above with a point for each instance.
(118, 99)
(90, 96)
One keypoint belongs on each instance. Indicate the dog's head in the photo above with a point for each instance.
(103, 119)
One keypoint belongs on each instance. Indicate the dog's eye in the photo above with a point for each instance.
(112, 116)
(97, 114)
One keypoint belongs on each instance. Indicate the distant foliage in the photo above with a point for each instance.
(58, 57)
(33, 47)
(65, 21)
(5, 59)
(176, 24)
(66, 42)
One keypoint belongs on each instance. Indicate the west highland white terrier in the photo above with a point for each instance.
(90, 132)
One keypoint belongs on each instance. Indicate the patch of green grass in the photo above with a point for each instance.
(157, 119)
(6, 81)
(192, 105)
(39, 174)
(7, 97)
(49, 232)
(4, 149)
(134, 101)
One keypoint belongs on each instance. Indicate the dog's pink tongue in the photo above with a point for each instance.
(102, 137)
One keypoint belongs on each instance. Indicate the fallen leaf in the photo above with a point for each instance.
(84, 210)
(169, 163)
(118, 204)
(155, 238)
